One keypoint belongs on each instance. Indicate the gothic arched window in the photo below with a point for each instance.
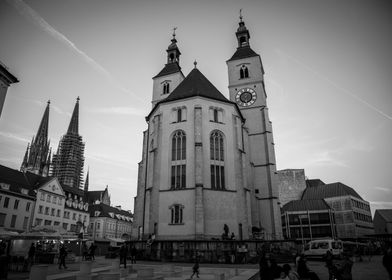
(217, 160)
(244, 72)
(176, 214)
(178, 162)
(166, 88)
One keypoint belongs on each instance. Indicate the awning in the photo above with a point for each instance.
(118, 240)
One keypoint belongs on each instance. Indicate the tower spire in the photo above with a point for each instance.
(173, 53)
(42, 133)
(242, 33)
(86, 183)
(73, 127)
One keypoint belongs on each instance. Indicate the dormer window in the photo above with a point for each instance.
(244, 72)
(166, 88)
(96, 213)
(5, 186)
(24, 191)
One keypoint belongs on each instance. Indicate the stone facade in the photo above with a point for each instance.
(6, 79)
(292, 183)
(208, 161)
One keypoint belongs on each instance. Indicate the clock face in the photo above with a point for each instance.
(245, 97)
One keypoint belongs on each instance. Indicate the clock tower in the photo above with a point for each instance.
(246, 87)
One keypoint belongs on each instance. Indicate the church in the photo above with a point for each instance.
(208, 162)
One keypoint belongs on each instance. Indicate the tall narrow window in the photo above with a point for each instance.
(166, 88)
(16, 204)
(13, 221)
(179, 115)
(244, 72)
(217, 161)
(178, 163)
(176, 214)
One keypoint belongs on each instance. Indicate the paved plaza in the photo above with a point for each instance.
(365, 270)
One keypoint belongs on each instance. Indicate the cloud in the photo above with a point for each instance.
(383, 189)
(340, 88)
(14, 137)
(326, 158)
(130, 111)
(30, 14)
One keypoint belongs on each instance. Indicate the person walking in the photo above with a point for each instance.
(63, 253)
(304, 271)
(133, 254)
(84, 251)
(92, 251)
(123, 255)
(195, 269)
(31, 254)
(387, 261)
(344, 268)
(329, 263)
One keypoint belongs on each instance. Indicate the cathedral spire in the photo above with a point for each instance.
(42, 133)
(86, 182)
(73, 127)
(35, 159)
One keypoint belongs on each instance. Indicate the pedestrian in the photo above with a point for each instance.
(31, 254)
(291, 274)
(92, 251)
(344, 268)
(133, 254)
(63, 253)
(387, 261)
(275, 269)
(123, 255)
(195, 269)
(84, 252)
(264, 270)
(304, 271)
(329, 263)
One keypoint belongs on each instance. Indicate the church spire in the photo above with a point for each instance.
(173, 53)
(242, 33)
(73, 127)
(86, 182)
(35, 159)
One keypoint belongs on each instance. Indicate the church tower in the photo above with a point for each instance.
(246, 87)
(67, 164)
(37, 156)
(170, 76)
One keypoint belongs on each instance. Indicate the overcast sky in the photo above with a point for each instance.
(328, 79)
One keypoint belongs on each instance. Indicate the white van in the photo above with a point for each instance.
(319, 248)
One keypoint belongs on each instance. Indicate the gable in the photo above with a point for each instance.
(53, 186)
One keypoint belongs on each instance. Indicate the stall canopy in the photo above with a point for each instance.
(7, 234)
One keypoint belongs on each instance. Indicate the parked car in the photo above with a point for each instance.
(319, 248)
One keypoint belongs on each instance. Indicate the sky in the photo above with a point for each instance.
(328, 71)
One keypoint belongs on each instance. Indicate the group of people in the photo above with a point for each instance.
(270, 270)
(124, 254)
(89, 253)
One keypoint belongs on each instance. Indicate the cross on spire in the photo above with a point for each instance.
(241, 14)
(174, 32)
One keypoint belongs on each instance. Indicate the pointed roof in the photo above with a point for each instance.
(329, 190)
(386, 214)
(86, 182)
(195, 85)
(42, 133)
(305, 205)
(73, 127)
(169, 68)
(243, 52)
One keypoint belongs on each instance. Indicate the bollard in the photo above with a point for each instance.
(38, 272)
(85, 267)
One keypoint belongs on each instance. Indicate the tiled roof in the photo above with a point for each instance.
(94, 196)
(106, 209)
(386, 214)
(195, 84)
(243, 52)
(314, 183)
(329, 190)
(169, 68)
(17, 180)
(304, 205)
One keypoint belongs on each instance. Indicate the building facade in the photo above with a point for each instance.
(207, 160)
(383, 221)
(109, 223)
(307, 220)
(6, 79)
(67, 163)
(292, 183)
(352, 213)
